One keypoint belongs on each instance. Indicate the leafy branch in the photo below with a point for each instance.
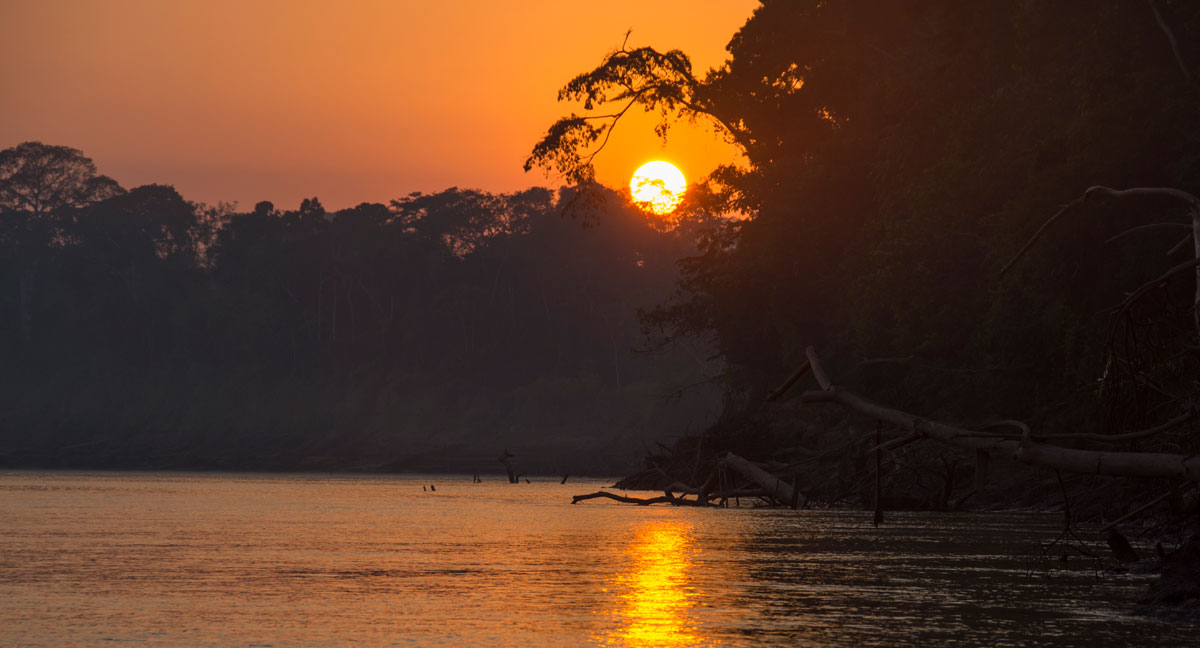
(657, 81)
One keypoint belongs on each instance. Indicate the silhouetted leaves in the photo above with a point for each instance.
(897, 154)
(37, 179)
(643, 78)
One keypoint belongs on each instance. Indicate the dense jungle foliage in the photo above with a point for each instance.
(897, 155)
(142, 330)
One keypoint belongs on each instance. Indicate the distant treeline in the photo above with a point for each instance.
(142, 330)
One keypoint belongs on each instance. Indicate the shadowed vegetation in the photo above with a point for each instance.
(142, 330)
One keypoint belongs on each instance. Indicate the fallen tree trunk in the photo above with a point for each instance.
(774, 487)
(682, 489)
(943, 432)
(641, 501)
(1091, 462)
(1120, 464)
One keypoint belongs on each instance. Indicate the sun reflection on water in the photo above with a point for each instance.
(657, 592)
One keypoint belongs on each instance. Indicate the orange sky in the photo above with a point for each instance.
(352, 101)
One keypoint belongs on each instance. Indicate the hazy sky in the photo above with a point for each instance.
(350, 101)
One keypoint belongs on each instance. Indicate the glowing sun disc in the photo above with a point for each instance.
(657, 187)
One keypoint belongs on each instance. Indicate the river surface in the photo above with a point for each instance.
(300, 560)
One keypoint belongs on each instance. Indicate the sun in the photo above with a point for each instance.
(657, 187)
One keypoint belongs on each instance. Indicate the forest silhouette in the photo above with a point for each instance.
(143, 330)
(897, 158)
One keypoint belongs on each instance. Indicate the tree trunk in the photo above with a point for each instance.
(1098, 462)
(25, 286)
(506, 459)
(948, 434)
(775, 487)
(1090, 462)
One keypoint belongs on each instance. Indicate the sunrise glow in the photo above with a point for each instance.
(657, 187)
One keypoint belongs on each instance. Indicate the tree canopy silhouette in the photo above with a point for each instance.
(37, 179)
(896, 156)
(141, 329)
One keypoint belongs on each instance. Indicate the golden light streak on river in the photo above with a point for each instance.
(178, 560)
(657, 592)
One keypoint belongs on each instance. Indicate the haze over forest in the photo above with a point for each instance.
(432, 333)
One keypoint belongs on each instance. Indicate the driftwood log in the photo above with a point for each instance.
(641, 501)
(1019, 442)
(774, 487)
(714, 491)
(1024, 449)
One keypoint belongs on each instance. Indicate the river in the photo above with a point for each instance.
(169, 559)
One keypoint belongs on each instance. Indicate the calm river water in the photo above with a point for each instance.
(299, 560)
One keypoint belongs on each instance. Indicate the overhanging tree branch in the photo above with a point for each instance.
(661, 81)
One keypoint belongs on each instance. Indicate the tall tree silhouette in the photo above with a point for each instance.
(37, 178)
(36, 182)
